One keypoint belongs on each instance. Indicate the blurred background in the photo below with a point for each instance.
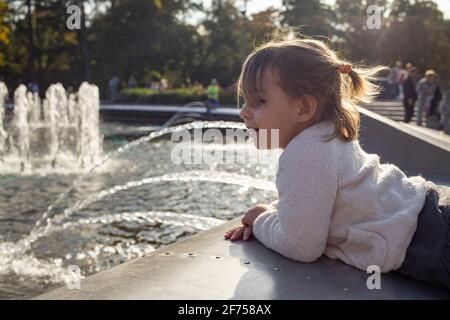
(186, 43)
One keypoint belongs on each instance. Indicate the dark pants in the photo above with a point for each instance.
(395, 90)
(428, 255)
(211, 104)
(409, 103)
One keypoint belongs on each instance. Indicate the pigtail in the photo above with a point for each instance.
(359, 85)
(355, 87)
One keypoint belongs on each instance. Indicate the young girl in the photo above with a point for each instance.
(334, 198)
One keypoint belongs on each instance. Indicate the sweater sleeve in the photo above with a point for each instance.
(307, 184)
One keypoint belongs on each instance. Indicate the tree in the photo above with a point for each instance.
(264, 25)
(224, 44)
(145, 38)
(418, 33)
(4, 31)
(310, 17)
(352, 35)
(139, 38)
(40, 37)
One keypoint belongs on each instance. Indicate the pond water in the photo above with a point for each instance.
(133, 201)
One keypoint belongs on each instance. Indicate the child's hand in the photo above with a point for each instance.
(253, 213)
(246, 230)
(238, 233)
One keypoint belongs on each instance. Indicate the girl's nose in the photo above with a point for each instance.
(244, 114)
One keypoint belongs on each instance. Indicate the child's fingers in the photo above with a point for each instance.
(247, 233)
(229, 233)
(232, 230)
(238, 234)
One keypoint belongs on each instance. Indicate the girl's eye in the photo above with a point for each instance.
(261, 101)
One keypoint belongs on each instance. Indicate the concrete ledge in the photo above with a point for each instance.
(409, 149)
(220, 269)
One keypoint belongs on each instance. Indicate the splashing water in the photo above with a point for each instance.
(101, 241)
(205, 176)
(3, 134)
(136, 143)
(52, 271)
(60, 133)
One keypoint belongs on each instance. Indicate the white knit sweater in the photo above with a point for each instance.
(335, 198)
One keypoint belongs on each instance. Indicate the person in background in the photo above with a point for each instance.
(403, 74)
(187, 83)
(113, 86)
(213, 95)
(163, 84)
(155, 85)
(394, 79)
(132, 83)
(416, 75)
(444, 109)
(198, 85)
(437, 97)
(409, 93)
(425, 89)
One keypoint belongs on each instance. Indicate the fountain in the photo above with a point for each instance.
(104, 207)
(3, 134)
(62, 133)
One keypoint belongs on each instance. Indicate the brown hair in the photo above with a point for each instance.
(309, 66)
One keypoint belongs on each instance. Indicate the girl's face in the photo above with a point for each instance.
(276, 112)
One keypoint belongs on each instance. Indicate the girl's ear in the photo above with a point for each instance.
(307, 108)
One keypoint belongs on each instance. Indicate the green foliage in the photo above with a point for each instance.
(173, 96)
(4, 31)
(418, 33)
(310, 17)
(4, 28)
(414, 31)
(151, 39)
